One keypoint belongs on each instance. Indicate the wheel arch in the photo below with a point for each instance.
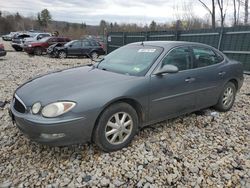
(235, 82)
(132, 102)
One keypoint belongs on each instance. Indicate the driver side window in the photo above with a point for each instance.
(179, 57)
(77, 44)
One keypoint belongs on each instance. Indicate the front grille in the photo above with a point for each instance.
(18, 105)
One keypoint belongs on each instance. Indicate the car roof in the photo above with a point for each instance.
(169, 44)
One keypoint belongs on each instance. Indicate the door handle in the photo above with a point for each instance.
(189, 80)
(222, 73)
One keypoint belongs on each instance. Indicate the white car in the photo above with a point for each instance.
(35, 37)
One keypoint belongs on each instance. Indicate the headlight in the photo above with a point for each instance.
(29, 45)
(57, 109)
(36, 107)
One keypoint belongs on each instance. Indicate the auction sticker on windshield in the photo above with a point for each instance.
(146, 50)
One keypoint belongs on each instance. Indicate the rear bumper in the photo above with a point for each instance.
(53, 133)
(3, 53)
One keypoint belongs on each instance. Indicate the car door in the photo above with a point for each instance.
(86, 48)
(209, 73)
(173, 94)
(75, 48)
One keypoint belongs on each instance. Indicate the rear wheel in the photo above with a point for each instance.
(116, 127)
(94, 55)
(227, 98)
(62, 54)
(38, 51)
(18, 49)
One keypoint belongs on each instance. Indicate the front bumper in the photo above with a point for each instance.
(70, 131)
(29, 50)
(3, 53)
(16, 46)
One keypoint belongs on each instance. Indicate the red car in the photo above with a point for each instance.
(41, 46)
(2, 51)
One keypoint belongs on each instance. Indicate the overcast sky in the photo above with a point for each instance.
(92, 11)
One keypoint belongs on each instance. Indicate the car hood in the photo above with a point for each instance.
(36, 43)
(63, 85)
(30, 39)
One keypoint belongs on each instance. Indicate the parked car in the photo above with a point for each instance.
(132, 87)
(86, 47)
(9, 36)
(2, 51)
(39, 47)
(17, 41)
(35, 37)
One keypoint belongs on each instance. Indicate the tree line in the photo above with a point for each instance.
(186, 20)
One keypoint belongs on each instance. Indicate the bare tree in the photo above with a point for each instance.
(236, 6)
(211, 11)
(246, 12)
(223, 11)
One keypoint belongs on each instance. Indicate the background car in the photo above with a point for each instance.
(132, 87)
(35, 37)
(17, 41)
(39, 47)
(85, 47)
(2, 51)
(9, 36)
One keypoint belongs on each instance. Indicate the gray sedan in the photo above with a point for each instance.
(132, 87)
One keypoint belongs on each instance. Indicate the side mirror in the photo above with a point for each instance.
(70, 45)
(167, 69)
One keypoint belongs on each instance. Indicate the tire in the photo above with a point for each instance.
(38, 51)
(52, 55)
(18, 49)
(110, 136)
(227, 98)
(94, 55)
(62, 54)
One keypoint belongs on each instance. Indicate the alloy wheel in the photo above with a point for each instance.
(62, 55)
(228, 96)
(94, 55)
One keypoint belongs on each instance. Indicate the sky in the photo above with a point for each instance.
(92, 11)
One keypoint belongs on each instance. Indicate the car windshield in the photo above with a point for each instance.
(33, 34)
(44, 39)
(69, 43)
(134, 60)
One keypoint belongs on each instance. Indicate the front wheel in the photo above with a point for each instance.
(227, 98)
(38, 51)
(62, 54)
(116, 127)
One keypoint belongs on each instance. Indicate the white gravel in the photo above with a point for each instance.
(196, 150)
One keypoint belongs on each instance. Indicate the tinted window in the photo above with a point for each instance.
(180, 57)
(132, 60)
(86, 43)
(204, 57)
(94, 43)
(76, 44)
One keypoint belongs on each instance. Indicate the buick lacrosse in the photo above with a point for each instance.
(132, 87)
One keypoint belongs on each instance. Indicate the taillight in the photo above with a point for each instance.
(2, 46)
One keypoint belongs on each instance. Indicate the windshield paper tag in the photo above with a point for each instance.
(146, 50)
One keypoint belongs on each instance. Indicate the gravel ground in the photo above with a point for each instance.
(196, 150)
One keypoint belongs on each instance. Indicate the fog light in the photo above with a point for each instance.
(36, 107)
(52, 136)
